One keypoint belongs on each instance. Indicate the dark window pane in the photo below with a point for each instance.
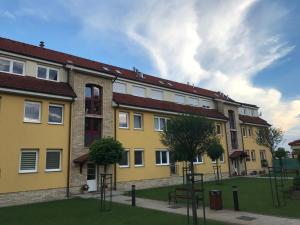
(164, 159)
(93, 100)
(137, 121)
(138, 158)
(53, 74)
(124, 160)
(42, 73)
(53, 160)
(93, 128)
(91, 171)
(4, 65)
(17, 67)
(55, 114)
(157, 156)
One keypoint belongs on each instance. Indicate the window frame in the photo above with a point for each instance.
(119, 83)
(160, 157)
(219, 125)
(253, 159)
(60, 160)
(179, 96)
(140, 88)
(128, 159)
(221, 161)
(244, 132)
(62, 114)
(139, 150)
(127, 120)
(159, 124)
(248, 157)
(197, 162)
(40, 112)
(36, 161)
(11, 61)
(47, 73)
(250, 132)
(157, 91)
(142, 121)
(193, 99)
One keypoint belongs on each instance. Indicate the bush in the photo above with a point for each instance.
(297, 183)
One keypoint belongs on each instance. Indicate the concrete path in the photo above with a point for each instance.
(228, 216)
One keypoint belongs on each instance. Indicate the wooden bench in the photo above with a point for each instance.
(182, 193)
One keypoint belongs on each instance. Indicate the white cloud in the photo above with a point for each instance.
(219, 45)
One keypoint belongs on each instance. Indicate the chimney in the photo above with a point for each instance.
(42, 44)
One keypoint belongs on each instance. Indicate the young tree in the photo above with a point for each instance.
(106, 151)
(269, 137)
(188, 136)
(280, 154)
(215, 151)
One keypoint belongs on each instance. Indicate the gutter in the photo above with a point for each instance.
(244, 149)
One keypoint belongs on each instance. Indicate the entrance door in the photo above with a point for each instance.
(91, 177)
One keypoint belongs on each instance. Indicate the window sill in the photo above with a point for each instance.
(198, 163)
(36, 122)
(138, 129)
(50, 123)
(23, 74)
(24, 172)
(124, 128)
(138, 166)
(124, 166)
(163, 164)
(56, 170)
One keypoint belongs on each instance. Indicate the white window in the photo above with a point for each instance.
(125, 159)
(137, 121)
(138, 91)
(198, 159)
(47, 73)
(249, 131)
(193, 101)
(244, 132)
(206, 104)
(32, 112)
(157, 94)
(119, 88)
(160, 123)
(123, 120)
(138, 157)
(28, 161)
(221, 159)
(179, 99)
(53, 160)
(218, 129)
(56, 114)
(253, 155)
(162, 157)
(11, 66)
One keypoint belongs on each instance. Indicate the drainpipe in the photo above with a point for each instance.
(115, 134)
(228, 159)
(69, 141)
(244, 149)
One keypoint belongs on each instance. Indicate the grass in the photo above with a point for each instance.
(86, 212)
(254, 196)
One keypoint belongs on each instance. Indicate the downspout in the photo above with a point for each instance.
(244, 149)
(228, 159)
(69, 141)
(115, 135)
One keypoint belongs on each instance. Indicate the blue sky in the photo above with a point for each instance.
(248, 49)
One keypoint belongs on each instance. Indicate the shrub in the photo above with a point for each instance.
(297, 183)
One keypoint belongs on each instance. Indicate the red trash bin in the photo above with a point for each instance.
(215, 199)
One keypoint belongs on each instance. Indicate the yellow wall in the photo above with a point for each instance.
(16, 135)
(250, 144)
(149, 140)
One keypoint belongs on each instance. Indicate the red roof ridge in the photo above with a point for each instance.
(296, 142)
(253, 120)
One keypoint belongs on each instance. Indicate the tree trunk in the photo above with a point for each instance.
(194, 204)
(218, 175)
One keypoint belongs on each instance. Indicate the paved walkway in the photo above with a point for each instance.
(228, 216)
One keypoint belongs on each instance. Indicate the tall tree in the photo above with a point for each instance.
(215, 151)
(269, 137)
(188, 136)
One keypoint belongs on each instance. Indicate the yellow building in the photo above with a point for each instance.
(34, 131)
(54, 105)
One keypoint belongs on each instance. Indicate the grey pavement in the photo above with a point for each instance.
(228, 216)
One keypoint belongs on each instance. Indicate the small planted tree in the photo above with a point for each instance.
(271, 138)
(280, 154)
(214, 152)
(188, 136)
(106, 151)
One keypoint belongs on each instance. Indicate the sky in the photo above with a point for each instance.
(247, 49)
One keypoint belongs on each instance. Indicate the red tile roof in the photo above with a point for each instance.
(294, 143)
(27, 83)
(63, 58)
(237, 154)
(82, 159)
(130, 100)
(253, 120)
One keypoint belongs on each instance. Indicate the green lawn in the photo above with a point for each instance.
(254, 196)
(86, 212)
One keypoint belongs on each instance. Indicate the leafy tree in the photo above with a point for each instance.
(215, 151)
(106, 151)
(269, 137)
(280, 154)
(188, 136)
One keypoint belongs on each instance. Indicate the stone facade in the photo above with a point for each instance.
(78, 82)
(25, 197)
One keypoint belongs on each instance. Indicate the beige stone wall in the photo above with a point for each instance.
(78, 82)
(25, 197)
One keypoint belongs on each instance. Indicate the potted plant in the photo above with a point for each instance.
(84, 188)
